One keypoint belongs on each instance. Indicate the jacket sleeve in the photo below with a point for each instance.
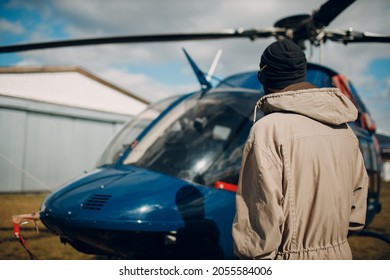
(259, 213)
(359, 198)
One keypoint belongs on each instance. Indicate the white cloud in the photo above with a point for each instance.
(146, 61)
(11, 27)
(142, 85)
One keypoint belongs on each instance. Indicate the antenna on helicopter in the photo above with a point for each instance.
(214, 65)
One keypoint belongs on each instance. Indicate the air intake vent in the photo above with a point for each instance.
(96, 202)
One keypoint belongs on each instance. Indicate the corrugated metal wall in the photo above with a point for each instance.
(43, 145)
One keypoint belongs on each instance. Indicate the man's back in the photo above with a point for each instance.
(301, 167)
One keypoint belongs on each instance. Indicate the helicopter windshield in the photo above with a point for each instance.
(131, 130)
(201, 139)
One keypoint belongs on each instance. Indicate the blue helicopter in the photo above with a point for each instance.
(165, 186)
(166, 183)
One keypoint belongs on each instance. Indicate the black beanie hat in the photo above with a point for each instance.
(283, 63)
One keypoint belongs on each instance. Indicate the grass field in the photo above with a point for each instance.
(47, 246)
(44, 244)
(369, 248)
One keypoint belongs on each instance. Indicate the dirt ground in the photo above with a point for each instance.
(47, 246)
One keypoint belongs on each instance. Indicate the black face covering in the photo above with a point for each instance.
(283, 63)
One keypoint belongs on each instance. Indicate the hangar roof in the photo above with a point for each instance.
(70, 86)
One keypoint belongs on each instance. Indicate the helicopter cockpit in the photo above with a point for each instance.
(199, 137)
(200, 140)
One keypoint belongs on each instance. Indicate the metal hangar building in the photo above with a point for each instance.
(55, 123)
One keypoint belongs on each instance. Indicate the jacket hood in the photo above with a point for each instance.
(326, 105)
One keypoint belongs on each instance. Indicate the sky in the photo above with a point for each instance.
(157, 70)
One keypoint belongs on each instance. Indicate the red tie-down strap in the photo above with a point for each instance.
(21, 219)
(225, 186)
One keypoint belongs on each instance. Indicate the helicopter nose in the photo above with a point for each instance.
(141, 199)
(68, 200)
(134, 200)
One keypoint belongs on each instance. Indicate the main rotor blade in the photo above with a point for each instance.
(329, 11)
(351, 36)
(230, 33)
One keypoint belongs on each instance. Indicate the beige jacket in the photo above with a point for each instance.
(303, 185)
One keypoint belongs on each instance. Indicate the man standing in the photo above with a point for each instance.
(303, 185)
